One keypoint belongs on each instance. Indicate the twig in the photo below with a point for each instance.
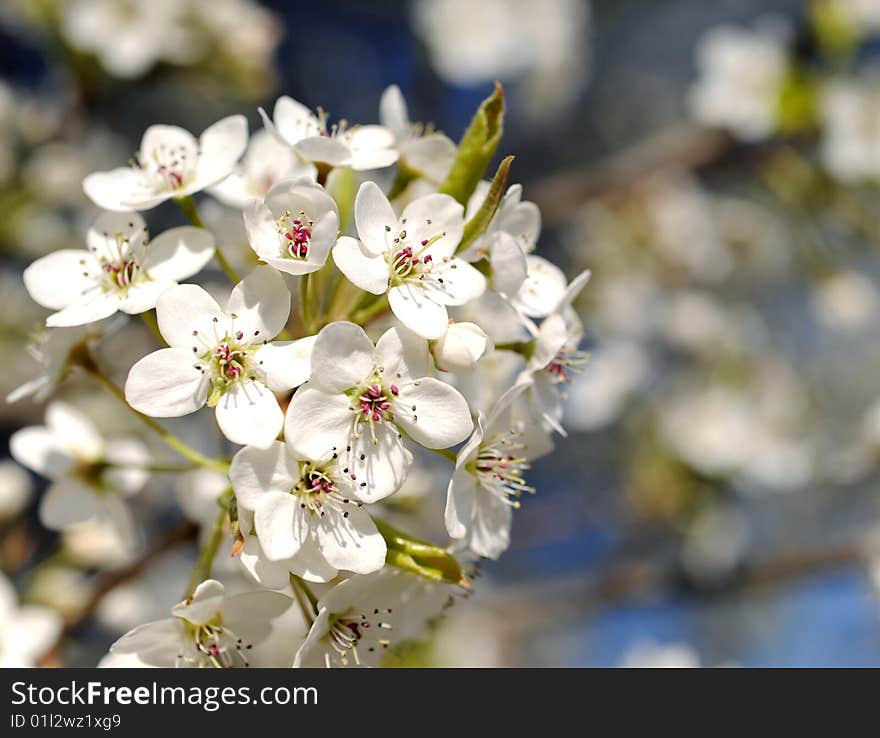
(561, 195)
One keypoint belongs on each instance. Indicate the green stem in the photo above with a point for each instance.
(158, 468)
(150, 319)
(447, 453)
(173, 441)
(305, 598)
(188, 205)
(305, 302)
(371, 311)
(205, 561)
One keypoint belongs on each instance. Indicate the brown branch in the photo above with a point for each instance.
(559, 196)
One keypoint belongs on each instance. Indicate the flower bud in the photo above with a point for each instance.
(459, 349)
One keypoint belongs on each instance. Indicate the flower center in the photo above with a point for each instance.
(350, 632)
(566, 361)
(409, 261)
(121, 273)
(214, 646)
(170, 167)
(296, 232)
(500, 469)
(226, 358)
(374, 404)
(318, 489)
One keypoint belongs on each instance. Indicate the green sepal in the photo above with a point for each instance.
(476, 148)
(418, 557)
(477, 225)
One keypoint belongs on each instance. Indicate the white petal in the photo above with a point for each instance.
(270, 574)
(255, 472)
(433, 215)
(416, 311)
(311, 652)
(461, 283)
(143, 296)
(178, 253)
(220, 147)
(374, 217)
(460, 497)
(205, 603)
(293, 120)
(362, 268)
(392, 111)
(261, 304)
(324, 150)
(184, 309)
(300, 195)
(490, 532)
(459, 349)
(365, 158)
(96, 306)
(124, 188)
(441, 417)
(58, 280)
(431, 155)
(110, 230)
(261, 230)
(166, 384)
(67, 502)
(316, 422)
(351, 543)
(248, 414)
(310, 564)
(38, 449)
(342, 357)
(75, 430)
(156, 643)
(273, 521)
(385, 464)
(284, 365)
(508, 262)
(402, 354)
(543, 289)
(552, 336)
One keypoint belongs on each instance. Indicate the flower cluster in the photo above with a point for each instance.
(409, 299)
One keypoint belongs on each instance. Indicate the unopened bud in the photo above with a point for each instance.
(460, 348)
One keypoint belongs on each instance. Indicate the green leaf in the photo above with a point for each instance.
(477, 225)
(418, 557)
(476, 148)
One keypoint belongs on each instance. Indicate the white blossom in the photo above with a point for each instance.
(426, 152)
(510, 236)
(211, 629)
(412, 258)
(359, 147)
(128, 36)
(294, 227)
(306, 513)
(361, 399)
(740, 81)
(223, 357)
(488, 480)
(170, 163)
(121, 269)
(88, 474)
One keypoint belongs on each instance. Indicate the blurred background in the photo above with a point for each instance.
(714, 164)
